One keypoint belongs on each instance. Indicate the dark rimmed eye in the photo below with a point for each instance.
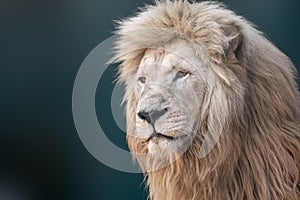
(142, 79)
(182, 73)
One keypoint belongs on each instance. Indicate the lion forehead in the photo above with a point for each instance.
(175, 55)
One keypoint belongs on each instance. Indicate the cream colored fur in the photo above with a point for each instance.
(248, 104)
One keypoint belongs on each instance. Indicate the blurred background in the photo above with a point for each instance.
(42, 45)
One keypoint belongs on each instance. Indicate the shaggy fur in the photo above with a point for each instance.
(257, 156)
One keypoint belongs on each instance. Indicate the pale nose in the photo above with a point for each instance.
(152, 115)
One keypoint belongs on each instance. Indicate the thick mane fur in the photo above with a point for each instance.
(255, 96)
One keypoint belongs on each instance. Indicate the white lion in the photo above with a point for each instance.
(212, 105)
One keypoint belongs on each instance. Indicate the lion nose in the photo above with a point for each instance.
(152, 115)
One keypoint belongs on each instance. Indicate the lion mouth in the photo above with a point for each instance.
(161, 136)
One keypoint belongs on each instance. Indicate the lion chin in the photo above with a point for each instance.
(213, 107)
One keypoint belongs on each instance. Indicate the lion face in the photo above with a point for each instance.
(169, 89)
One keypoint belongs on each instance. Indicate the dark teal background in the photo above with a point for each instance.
(42, 44)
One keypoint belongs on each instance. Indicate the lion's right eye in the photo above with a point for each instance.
(182, 73)
(142, 79)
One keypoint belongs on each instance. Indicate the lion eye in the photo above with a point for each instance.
(181, 74)
(142, 79)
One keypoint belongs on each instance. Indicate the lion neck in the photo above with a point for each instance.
(191, 177)
(234, 169)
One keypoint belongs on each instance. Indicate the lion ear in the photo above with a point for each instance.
(232, 54)
(232, 49)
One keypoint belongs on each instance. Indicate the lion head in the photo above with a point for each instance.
(212, 105)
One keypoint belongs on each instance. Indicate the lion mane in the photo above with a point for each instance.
(257, 156)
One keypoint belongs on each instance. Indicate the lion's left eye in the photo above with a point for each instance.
(142, 79)
(181, 74)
